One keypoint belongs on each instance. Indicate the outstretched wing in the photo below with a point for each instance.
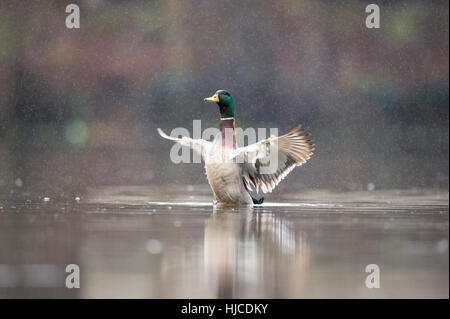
(266, 163)
(198, 145)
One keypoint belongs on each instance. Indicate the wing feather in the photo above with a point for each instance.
(291, 150)
(198, 145)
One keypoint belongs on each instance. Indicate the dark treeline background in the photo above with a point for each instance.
(80, 107)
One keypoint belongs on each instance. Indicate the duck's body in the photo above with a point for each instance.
(227, 185)
(232, 171)
(224, 176)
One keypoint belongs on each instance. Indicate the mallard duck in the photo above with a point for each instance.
(233, 172)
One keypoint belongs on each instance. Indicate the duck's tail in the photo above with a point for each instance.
(257, 201)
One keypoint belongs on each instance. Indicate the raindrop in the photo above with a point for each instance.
(19, 182)
(77, 132)
(153, 246)
(442, 246)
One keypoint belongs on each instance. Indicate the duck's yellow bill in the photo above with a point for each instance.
(214, 98)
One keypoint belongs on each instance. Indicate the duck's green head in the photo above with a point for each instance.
(225, 101)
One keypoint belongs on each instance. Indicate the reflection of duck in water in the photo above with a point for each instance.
(246, 252)
(233, 172)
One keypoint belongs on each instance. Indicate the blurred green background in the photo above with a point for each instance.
(80, 107)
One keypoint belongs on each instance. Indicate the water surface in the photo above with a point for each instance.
(170, 242)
